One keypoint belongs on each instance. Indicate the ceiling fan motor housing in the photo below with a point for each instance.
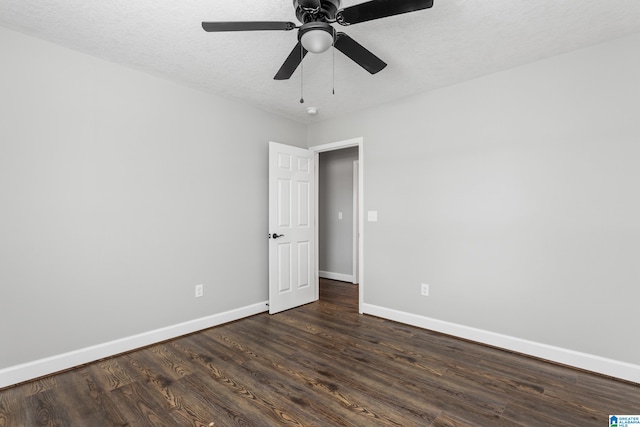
(306, 12)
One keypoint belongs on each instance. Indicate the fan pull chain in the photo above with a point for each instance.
(333, 63)
(301, 74)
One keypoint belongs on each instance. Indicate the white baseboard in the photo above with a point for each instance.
(38, 368)
(336, 276)
(589, 362)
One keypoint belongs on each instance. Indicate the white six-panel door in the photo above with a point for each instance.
(291, 227)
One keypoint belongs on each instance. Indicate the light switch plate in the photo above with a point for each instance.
(372, 216)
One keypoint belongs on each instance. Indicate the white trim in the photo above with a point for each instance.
(38, 368)
(589, 362)
(354, 142)
(355, 227)
(316, 272)
(336, 276)
(361, 226)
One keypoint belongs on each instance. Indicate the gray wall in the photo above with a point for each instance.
(515, 196)
(119, 193)
(336, 195)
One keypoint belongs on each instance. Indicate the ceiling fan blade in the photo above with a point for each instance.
(291, 63)
(377, 9)
(248, 26)
(358, 53)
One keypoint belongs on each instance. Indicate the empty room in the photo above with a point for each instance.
(170, 254)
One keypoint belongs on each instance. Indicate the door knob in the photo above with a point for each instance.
(276, 235)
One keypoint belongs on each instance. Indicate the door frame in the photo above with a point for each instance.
(317, 149)
(356, 220)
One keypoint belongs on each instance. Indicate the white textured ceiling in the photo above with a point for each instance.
(456, 40)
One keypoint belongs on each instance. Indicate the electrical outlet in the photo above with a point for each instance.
(199, 291)
(424, 290)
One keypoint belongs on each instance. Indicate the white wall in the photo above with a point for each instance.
(335, 195)
(515, 196)
(119, 193)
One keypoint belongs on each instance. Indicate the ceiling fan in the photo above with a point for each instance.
(316, 34)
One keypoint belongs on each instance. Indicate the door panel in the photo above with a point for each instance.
(291, 227)
(284, 203)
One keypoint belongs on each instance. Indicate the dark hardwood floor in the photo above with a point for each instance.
(322, 364)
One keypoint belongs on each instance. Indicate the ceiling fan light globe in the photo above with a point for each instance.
(316, 41)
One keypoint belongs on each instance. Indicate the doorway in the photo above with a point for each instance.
(338, 215)
(347, 214)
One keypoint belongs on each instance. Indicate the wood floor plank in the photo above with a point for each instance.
(12, 408)
(322, 364)
(111, 374)
(140, 406)
(170, 363)
(224, 408)
(85, 402)
(45, 409)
